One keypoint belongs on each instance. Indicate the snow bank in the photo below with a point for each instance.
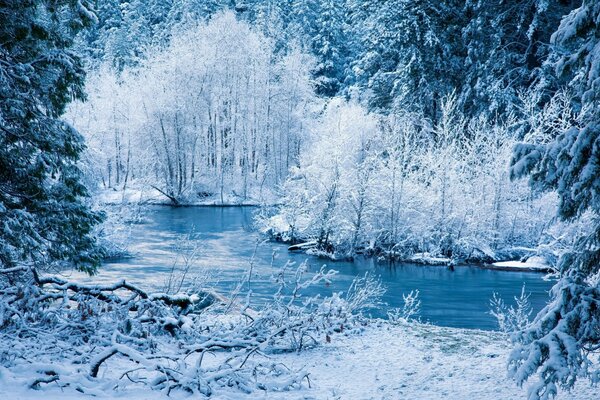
(407, 361)
(427, 259)
(532, 264)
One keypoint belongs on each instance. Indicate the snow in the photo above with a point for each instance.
(144, 195)
(303, 246)
(370, 177)
(385, 361)
(532, 264)
(277, 223)
(426, 258)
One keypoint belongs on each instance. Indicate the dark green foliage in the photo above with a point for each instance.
(43, 217)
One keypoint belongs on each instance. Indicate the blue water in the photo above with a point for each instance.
(227, 243)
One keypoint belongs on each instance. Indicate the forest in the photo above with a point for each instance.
(460, 134)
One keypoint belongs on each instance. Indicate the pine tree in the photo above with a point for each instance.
(127, 29)
(318, 26)
(409, 54)
(562, 344)
(44, 218)
(329, 45)
(506, 43)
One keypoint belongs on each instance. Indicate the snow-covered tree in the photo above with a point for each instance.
(394, 184)
(127, 28)
(329, 43)
(561, 345)
(337, 157)
(408, 55)
(214, 112)
(505, 44)
(45, 218)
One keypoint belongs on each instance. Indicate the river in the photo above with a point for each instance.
(225, 244)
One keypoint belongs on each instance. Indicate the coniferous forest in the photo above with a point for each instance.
(300, 199)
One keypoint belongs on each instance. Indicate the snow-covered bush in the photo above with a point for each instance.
(364, 294)
(186, 275)
(409, 310)
(114, 233)
(512, 318)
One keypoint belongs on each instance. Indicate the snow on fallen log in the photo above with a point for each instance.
(14, 270)
(117, 348)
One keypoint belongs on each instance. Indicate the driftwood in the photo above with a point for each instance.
(106, 292)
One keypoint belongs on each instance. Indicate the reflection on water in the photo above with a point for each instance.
(226, 243)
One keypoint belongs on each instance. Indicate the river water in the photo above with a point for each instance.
(225, 245)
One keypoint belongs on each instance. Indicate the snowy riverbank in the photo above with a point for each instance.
(535, 264)
(385, 361)
(531, 264)
(508, 259)
(152, 196)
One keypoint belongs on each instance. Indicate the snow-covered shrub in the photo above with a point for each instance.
(306, 321)
(114, 233)
(186, 273)
(512, 318)
(364, 294)
(409, 310)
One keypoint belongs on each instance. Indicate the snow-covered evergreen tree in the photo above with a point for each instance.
(318, 26)
(43, 214)
(505, 43)
(329, 45)
(409, 54)
(562, 344)
(127, 28)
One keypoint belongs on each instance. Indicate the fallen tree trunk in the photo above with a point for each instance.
(170, 197)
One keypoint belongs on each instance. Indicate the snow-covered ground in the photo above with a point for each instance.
(384, 362)
(148, 195)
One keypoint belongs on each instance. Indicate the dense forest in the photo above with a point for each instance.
(462, 130)
(381, 127)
